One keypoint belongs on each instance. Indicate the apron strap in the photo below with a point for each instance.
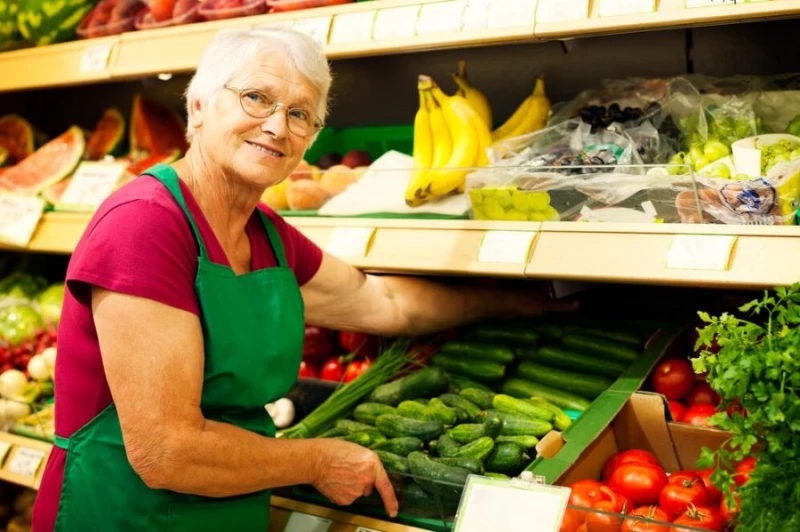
(169, 178)
(62, 443)
(274, 240)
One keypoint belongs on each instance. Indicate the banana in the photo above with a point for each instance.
(513, 121)
(538, 111)
(477, 100)
(422, 153)
(459, 118)
(442, 141)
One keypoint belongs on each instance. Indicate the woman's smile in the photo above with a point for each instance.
(265, 151)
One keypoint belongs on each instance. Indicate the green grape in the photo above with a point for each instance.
(551, 214)
(503, 197)
(475, 196)
(492, 209)
(537, 217)
(742, 177)
(520, 200)
(714, 150)
(700, 162)
(678, 158)
(720, 170)
(696, 152)
(795, 154)
(539, 201)
(477, 213)
(743, 129)
(516, 216)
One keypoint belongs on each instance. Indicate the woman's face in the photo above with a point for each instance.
(261, 151)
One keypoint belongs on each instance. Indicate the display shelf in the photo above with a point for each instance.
(341, 521)
(23, 459)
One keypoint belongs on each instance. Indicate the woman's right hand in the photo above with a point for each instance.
(346, 471)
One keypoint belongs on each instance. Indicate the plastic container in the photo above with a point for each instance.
(247, 8)
(108, 18)
(144, 20)
(278, 6)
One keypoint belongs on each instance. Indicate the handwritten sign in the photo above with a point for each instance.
(396, 23)
(92, 183)
(95, 58)
(19, 216)
(509, 247)
(701, 252)
(350, 241)
(25, 462)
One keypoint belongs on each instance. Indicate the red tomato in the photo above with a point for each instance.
(633, 456)
(676, 410)
(333, 370)
(582, 528)
(161, 9)
(702, 394)
(571, 521)
(682, 476)
(673, 378)
(307, 370)
(362, 344)
(356, 368)
(743, 470)
(698, 415)
(641, 483)
(317, 344)
(606, 521)
(680, 494)
(700, 517)
(585, 493)
(654, 516)
(695, 336)
(735, 407)
(729, 514)
(705, 475)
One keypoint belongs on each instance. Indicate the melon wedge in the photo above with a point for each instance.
(149, 161)
(3, 155)
(107, 136)
(46, 166)
(154, 128)
(16, 136)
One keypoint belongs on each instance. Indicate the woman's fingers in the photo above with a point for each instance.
(384, 487)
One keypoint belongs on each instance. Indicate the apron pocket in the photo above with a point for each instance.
(245, 513)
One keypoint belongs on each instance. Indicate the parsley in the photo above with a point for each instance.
(757, 368)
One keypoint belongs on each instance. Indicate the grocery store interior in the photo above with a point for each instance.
(639, 157)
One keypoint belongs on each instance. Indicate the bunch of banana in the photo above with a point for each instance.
(530, 116)
(475, 97)
(449, 138)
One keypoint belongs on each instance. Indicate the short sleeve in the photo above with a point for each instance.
(139, 248)
(303, 255)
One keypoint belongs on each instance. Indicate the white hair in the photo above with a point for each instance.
(233, 50)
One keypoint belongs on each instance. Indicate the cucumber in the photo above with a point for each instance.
(496, 475)
(478, 449)
(368, 412)
(398, 426)
(446, 447)
(588, 386)
(425, 382)
(471, 464)
(523, 388)
(350, 426)
(548, 331)
(466, 432)
(622, 337)
(359, 438)
(481, 398)
(561, 357)
(480, 370)
(412, 409)
(561, 420)
(608, 349)
(415, 500)
(333, 432)
(510, 405)
(492, 425)
(505, 334)
(514, 425)
(399, 446)
(459, 382)
(507, 458)
(439, 411)
(478, 351)
(456, 401)
(526, 442)
(437, 479)
(393, 463)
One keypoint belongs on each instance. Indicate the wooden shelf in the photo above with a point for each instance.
(15, 457)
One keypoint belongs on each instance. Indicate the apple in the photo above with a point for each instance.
(302, 171)
(355, 158)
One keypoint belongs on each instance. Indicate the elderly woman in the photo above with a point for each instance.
(184, 316)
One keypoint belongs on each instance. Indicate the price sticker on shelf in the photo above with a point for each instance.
(561, 10)
(352, 27)
(476, 14)
(19, 216)
(350, 241)
(95, 58)
(25, 462)
(511, 13)
(701, 252)
(315, 27)
(300, 522)
(509, 247)
(396, 23)
(441, 17)
(712, 3)
(92, 183)
(615, 8)
(4, 448)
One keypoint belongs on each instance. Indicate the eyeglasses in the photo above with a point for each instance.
(257, 104)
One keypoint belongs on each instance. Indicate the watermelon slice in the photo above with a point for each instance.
(154, 128)
(139, 166)
(107, 137)
(16, 136)
(54, 193)
(48, 165)
(3, 155)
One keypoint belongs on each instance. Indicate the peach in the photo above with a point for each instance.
(275, 196)
(337, 178)
(305, 195)
(316, 173)
(359, 171)
(303, 171)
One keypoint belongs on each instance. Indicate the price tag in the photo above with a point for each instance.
(493, 504)
(352, 27)
(396, 23)
(476, 14)
(95, 58)
(25, 462)
(315, 27)
(441, 17)
(4, 448)
(299, 522)
(350, 241)
(19, 216)
(561, 10)
(92, 183)
(614, 8)
(509, 247)
(701, 252)
(511, 13)
(712, 3)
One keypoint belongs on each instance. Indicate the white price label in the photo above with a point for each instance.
(561, 10)
(441, 17)
(315, 27)
(300, 522)
(614, 8)
(396, 23)
(352, 27)
(92, 183)
(95, 58)
(350, 241)
(25, 462)
(4, 448)
(476, 14)
(511, 13)
(509, 247)
(19, 216)
(701, 252)
(712, 3)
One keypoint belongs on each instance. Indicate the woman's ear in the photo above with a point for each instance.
(196, 108)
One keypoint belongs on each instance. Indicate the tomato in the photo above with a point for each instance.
(735, 407)
(700, 517)
(307, 370)
(585, 493)
(356, 368)
(682, 476)
(362, 344)
(161, 10)
(582, 528)
(641, 483)
(653, 515)
(317, 344)
(729, 514)
(635, 456)
(681, 493)
(572, 520)
(705, 475)
(702, 394)
(673, 378)
(605, 521)
(677, 410)
(743, 470)
(333, 370)
(698, 415)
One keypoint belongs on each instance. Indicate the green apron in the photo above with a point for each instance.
(253, 335)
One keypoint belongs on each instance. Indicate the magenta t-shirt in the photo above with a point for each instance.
(139, 242)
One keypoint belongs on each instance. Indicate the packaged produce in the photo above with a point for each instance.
(224, 9)
(165, 13)
(110, 17)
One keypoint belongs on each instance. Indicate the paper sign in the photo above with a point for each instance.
(511, 13)
(92, 183)
(493, 504)
(476, 14)
(315, 27)
(95, 58)
(510, 247)
(441, 17)
(26, 462)
(396, 23)
(352, 27)
(299, 522)
(711, 3)
(561, 10)
(4, 448)
(350, 241)
(701, 252)
(613, 8)
(19, 216)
